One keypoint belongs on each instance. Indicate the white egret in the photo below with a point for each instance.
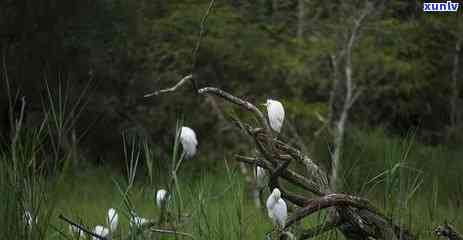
(137, 221)
(161, 195)
(100, 231)
(261, 177)
(112, 220)
(76, 232)
(189, 141)
(29, 220)
(276, 114)
(277, 209)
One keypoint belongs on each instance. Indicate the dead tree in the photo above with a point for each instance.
(448, 231)
(356, 218)
(344, 92)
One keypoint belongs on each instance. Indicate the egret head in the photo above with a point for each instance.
(276, 193)
(161, 195)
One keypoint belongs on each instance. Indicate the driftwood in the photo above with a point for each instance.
(355, 217)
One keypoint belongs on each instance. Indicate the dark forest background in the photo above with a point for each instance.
(99, 57)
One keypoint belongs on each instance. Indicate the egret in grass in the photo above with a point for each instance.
(261, 177)
(112, 220)
(161, 196)
(100, 231)
(277, 209)
(29, 219)
(137, 221)
(276, 114)
(76, 232)
(189, 141)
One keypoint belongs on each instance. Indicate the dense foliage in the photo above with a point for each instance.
(114, 51)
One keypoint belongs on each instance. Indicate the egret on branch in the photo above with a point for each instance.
(276, 114)
(112, 220)
(277, 209)
(189, 141)
(161, 195)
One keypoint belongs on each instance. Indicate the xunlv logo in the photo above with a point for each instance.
(448, 6)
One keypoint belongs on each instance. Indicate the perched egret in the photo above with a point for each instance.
(100, 231)
(277, 209)
(276, 114)
(76, 232)
(161, 195)
(261, 177)
(112, 220)
(189, 141)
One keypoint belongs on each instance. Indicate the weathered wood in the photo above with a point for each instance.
(448, 231)
(330, 200)
(355, 217)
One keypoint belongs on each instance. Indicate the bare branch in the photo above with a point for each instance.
(330, 200)
(288, 175)
(245, 104)
(171, 89)
(80, 227)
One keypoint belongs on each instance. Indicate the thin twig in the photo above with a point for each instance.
(201, 34)
(171, 89)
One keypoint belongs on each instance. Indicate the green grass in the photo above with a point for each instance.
(417, 186)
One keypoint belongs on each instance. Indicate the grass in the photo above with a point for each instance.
(417, 186)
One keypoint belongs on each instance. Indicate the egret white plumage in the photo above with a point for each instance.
(277, 209)
(29, 219)
(161, 196)
(189, 141)
(76, 232)
(137, 221)
(112, 220)
(100, 231)
(261, 177)
(276, 114)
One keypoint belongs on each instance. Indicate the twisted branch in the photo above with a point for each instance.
(330, 200)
